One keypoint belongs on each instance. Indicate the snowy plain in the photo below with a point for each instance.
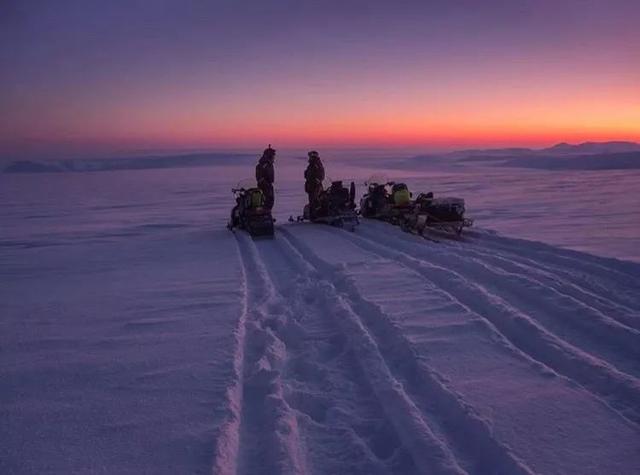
(138, 335)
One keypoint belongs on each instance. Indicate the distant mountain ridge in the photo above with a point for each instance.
(562, 148)
(615, 155)
(578, 161)
(593, 147)
(132, 163)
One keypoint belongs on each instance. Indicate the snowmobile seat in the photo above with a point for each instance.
(338, 195)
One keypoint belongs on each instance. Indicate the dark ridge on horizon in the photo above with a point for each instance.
(562, 147)
(590, 155)
(595, 147)
(578, 161)
(126, 163)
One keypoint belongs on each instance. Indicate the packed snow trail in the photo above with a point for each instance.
(428, 451)
(606, 279)
(139, 335)
(330, 378)
(559, 280)
(465, 435)
(227, 446)
(514, 378)
(584, 325)
(585, 365)
(268, 432)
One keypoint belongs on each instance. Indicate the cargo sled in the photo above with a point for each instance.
(392, 202)
(443, 214)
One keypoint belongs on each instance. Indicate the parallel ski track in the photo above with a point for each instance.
(559, 280)
(262, 431)
(612, 275)
(617, 389)
(433, 420)
(340, 420)
(225, 460)
(440, 432)
(584, 324)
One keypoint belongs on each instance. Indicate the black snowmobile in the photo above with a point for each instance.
(374, 202)
(386, 200)
(336, 206)
(249, 212)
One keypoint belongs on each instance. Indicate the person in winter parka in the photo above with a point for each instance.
(265, 176)
(313, 176)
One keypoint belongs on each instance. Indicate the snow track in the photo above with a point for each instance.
(427, 450)
(226, 454)
(559, 280)
(497, 302)
(138, 335)
(268, 432)
(609, 280)
(427, 400)
(379, 352)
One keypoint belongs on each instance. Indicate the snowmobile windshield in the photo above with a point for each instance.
(377, 179)
(247, 183)
(326, 183)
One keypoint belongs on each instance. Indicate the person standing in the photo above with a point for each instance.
(265, 176)
(313, 176)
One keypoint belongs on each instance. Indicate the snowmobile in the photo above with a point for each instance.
(336, 207)
(386, 200)
(249, 212)
(391, 201)
(443, 214)
(373, 203)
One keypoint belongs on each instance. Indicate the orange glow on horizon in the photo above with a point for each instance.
(428, 75)
(413, 119)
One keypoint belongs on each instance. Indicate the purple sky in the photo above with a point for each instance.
(121, 74)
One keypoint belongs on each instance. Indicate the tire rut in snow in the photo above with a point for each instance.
(562, 281)
(268, 432)
(340, 421)
(601, 332)
(442, 418)
(619, 390)
(613, 275)
(225, 460)
(580, 324)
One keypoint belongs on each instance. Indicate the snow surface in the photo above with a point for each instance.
(140, 336)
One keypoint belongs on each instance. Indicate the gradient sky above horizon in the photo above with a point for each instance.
(118, 74)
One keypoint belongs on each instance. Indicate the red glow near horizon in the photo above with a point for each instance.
(431, 77)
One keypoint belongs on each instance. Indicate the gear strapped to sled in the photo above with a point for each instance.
(401, 195)
(391, 202)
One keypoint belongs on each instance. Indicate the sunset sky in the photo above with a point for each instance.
(96, 76)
